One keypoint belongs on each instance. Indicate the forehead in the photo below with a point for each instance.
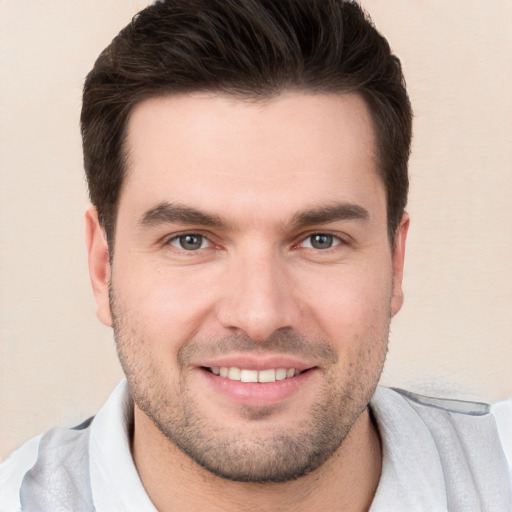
(217, 150)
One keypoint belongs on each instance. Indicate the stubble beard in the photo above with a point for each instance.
(259, 454)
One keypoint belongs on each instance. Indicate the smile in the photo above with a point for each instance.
(262, 376)
(254, 382)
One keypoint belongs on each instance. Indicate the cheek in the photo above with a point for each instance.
(353, 312)
(350, 300)
(167, 306)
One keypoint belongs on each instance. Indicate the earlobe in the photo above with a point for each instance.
(99, 265)
(398, 263)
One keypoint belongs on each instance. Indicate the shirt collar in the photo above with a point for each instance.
(115, 482)
(411, 478)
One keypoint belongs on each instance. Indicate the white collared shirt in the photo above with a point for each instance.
(417, 471)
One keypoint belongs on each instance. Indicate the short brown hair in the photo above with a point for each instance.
(248, 48)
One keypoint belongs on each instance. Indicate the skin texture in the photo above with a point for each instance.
(253, 182)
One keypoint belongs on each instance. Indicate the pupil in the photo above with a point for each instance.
(190, 242)
(321, 241)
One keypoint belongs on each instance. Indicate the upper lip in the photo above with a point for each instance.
(260, 362)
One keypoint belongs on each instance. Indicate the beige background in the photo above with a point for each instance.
(453, 336)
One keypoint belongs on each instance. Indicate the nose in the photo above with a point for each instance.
(258, 298)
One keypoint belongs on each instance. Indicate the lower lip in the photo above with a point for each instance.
(257, 394)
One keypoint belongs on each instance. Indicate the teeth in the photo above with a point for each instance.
(281, 373)
(270, 375)
(267, 376)
(234, 373)
(249, 375)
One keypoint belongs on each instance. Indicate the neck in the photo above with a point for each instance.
(174, 482)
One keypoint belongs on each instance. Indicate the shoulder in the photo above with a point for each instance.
(446, 405)
(12, 472)
(38, 461)
(392, 401)
(440, 417)
(454, 443)
(502, 412)
(497, 418)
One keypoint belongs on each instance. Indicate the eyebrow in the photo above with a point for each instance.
(330, 213)
(167, 213)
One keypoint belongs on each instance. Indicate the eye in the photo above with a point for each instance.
(321, 241)
(190, 242)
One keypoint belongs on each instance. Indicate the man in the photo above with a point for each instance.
(247, 165)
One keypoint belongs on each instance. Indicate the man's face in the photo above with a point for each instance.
(251, 243)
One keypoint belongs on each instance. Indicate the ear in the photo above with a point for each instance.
(398, 264)
(99, 265)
